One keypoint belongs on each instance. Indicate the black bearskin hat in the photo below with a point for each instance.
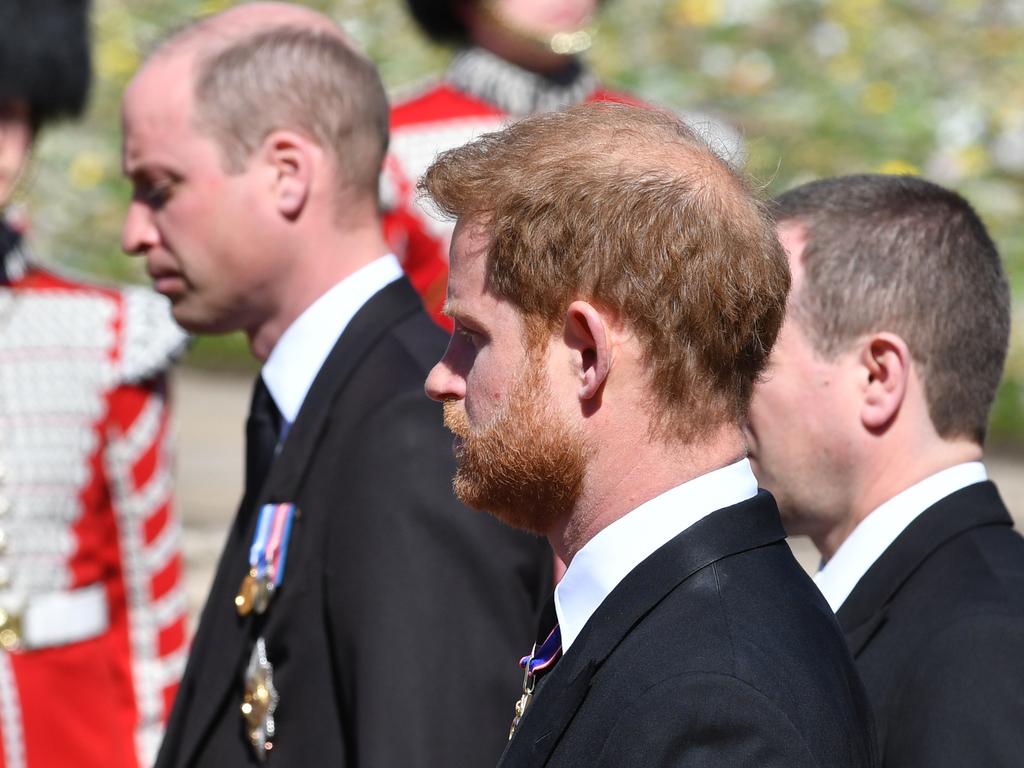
(439, 20)
(44, 56)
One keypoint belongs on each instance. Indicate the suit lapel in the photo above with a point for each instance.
(748, 525)
(222, 646)
(388, 307)
(863, 612)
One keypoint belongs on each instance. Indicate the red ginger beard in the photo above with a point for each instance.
(526, 466)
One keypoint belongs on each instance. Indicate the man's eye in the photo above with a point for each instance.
(155, 195)
(473, 337)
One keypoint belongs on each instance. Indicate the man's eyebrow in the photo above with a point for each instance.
(458, 312)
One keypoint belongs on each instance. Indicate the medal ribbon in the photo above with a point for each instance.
(277, 544)
(544, 658)
(257, 552)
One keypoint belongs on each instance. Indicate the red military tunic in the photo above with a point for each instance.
(480, 92)
(92, 606)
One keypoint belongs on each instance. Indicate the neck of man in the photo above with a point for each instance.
(625, 473)
(316, 263)
(893, 467)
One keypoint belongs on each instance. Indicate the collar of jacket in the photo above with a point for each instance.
(863, 612)
(748, 525)
(13, 260)
(515, 90)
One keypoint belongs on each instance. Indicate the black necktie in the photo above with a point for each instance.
(261, 434)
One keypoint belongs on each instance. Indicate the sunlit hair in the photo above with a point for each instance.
(900, 254)
(628, 209)
(306, 80)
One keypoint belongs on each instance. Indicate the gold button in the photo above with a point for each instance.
(10, 631)
(3, 541)
(5, 578)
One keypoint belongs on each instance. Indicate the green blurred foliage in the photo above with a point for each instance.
(816, 88)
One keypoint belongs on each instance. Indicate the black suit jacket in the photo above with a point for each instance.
(717, 650)
(937, 629)
(395, 632)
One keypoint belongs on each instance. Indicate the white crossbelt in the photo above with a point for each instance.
(57, 618)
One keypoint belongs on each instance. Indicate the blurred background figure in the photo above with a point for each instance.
(92, 616)
(515, 58)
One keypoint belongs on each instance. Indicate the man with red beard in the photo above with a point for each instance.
(614, 303)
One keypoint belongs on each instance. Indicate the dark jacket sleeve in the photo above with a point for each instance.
(432, 603)
(962, 700)
(705, 720)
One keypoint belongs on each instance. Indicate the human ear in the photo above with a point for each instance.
(587, 334)
(290, 158)
(885, 362)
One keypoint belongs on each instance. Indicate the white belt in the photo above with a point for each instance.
(55, 618)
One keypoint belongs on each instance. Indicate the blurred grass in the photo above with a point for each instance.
(816, 88)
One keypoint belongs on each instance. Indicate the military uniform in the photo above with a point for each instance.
(92, 609)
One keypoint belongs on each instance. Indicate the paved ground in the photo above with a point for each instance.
(210, 413)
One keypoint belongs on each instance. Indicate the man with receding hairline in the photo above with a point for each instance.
(360, 615)
(615, 290)
(868, 428)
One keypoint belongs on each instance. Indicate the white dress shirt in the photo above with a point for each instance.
(883, 525)
(607, 559)
(300, 353)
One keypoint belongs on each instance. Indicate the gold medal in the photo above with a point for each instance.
(246, 596)
(259, 701)
(528, 685)
(261, 595)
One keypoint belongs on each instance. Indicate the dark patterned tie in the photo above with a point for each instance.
(261, 435)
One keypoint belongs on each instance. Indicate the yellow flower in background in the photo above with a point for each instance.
(973, 160)
(879, 97)
(899, 168)
(845, 68)
(87, 170)
(210, 7)
(116, 57)
(855, 13)
(700, 13)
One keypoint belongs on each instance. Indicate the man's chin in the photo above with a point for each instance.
(520, 515)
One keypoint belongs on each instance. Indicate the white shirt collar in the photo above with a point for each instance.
(299, 354)
(607, 559)
(883, 525)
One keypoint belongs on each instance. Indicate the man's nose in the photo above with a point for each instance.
(138, 234)
(443, 383)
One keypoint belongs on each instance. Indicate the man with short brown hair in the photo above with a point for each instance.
(360, 614)
(615, 290)
(868, 429)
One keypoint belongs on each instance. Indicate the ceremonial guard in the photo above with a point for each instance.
(507, 68)
(92, 610)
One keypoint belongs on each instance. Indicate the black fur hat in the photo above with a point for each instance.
(439, 20)
(44, 56)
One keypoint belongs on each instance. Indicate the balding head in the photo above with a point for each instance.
(213, 33)
(261, 67)
(628, 209)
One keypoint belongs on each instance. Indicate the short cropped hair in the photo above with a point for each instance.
(301, 79)
(628, 209)
(900, 254)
